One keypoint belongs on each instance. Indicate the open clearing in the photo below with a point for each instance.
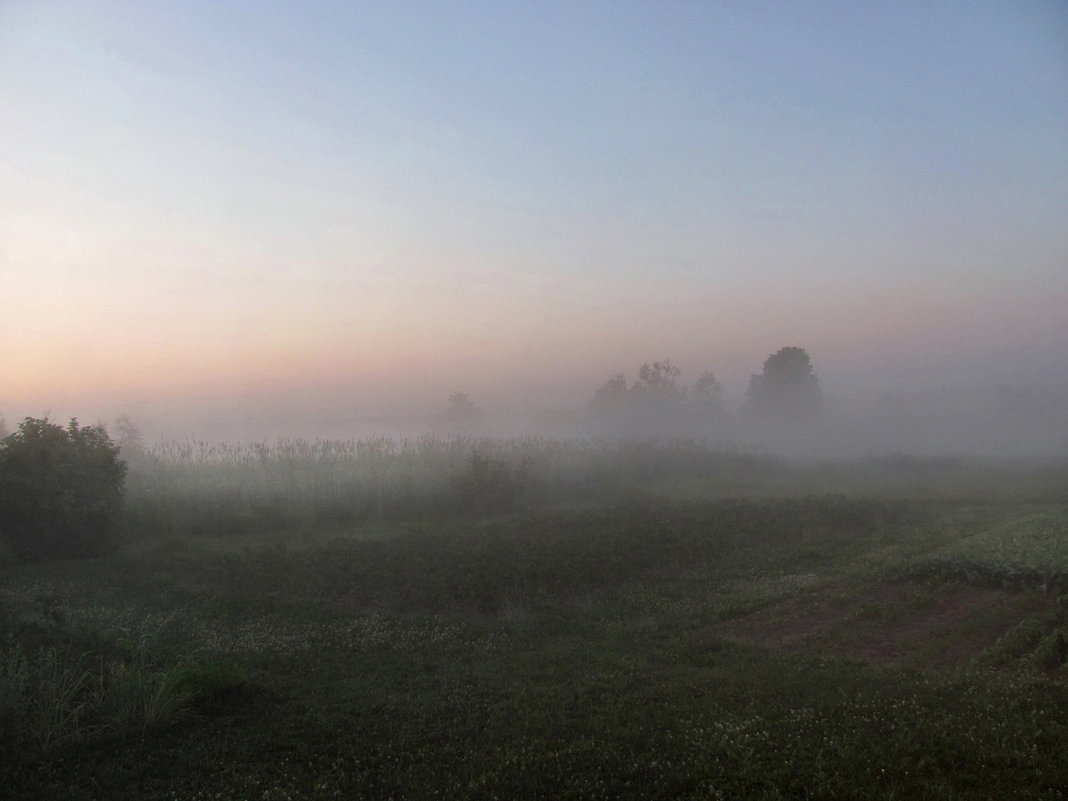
(902, 623)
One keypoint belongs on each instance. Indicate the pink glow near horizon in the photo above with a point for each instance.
(375, 226)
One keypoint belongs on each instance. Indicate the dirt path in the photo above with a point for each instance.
(905, 623)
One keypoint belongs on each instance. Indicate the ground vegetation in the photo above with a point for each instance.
(533, 618)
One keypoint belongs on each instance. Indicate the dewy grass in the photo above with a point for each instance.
(1031, 539)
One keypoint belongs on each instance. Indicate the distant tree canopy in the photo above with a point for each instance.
(708, 391)
(658, 382)
(787, 390)
(657, 389)
(611, 396)
(61, 490)
(461, 411)
(128, 438)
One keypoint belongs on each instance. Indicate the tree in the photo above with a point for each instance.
(461, 411)
(61, 490)
(128, 438)
(657, 382)
(611, 396)
(707, 391)
(787, 390)
(656, 399)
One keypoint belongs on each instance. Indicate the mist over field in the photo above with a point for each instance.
(980, 419)
(1002, 421)
(549, 400)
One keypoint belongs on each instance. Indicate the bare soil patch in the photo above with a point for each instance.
(890, 622)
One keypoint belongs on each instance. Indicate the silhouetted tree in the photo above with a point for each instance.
(611, 396)
(657, 382)
(61, 490)
(656, 402)
(707, 391)
(787, 390)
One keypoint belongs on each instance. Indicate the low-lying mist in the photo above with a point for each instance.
(993, 423)
(786, 411)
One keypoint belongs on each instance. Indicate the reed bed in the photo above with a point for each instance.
(196, 488)
(190, 487)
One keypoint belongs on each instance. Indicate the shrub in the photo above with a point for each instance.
(61, 490)
(490, 485)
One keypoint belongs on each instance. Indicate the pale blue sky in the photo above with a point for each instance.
(389, 202)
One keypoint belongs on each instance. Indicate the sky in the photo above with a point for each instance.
(363, 207)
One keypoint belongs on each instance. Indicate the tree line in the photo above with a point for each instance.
(785, 393)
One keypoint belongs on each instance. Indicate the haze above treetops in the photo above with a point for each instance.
(251, 219)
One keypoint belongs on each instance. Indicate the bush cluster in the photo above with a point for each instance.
(61, 490)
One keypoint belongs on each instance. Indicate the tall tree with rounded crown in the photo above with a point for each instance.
(787, 391)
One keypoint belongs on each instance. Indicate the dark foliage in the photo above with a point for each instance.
(61, 490)
(462, 412)
(787, 390)
(658, 404)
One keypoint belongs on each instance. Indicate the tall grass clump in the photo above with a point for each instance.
(56, 692)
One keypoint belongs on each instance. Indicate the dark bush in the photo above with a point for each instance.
(61, 490)
(491, 485)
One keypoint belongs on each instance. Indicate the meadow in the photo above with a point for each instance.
(532, 618)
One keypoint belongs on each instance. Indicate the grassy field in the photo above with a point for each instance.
(521, 619)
